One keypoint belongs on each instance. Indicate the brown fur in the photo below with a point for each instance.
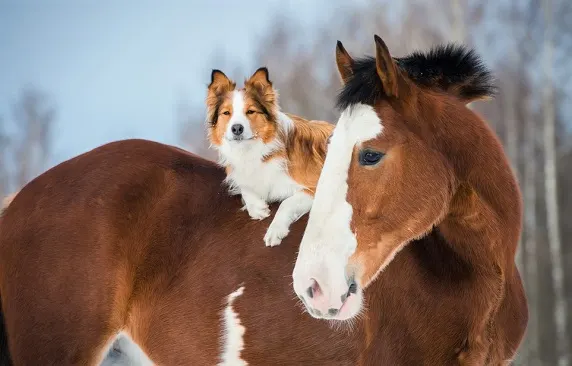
(6, 201)
(444, 175)
(260, 105)
(304, 146)
(142, 236)
(305, 150)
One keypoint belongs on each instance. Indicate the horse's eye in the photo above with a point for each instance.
(369, 157)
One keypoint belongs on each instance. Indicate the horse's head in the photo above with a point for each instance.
(386, 179)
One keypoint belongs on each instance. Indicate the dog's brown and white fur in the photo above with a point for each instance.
(269, 156)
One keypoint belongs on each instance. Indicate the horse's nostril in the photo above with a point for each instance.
(353, 288)
(314, 290)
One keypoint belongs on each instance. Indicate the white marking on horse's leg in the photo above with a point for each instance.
(124, 351)
(233, 333)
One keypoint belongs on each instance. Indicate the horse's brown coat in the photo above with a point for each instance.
(443, 177)
(142, 236)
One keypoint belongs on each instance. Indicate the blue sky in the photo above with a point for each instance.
(115, 69)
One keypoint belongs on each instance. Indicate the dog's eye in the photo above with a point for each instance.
(250, 111)
(370, 157)
(226, 113)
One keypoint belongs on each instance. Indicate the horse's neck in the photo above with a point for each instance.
(477, 233)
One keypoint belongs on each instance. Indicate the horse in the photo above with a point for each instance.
(142, 239)
(417, 199)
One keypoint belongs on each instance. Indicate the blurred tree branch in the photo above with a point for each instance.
(25, 144)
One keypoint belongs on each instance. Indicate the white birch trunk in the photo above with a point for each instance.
(530, 246)
(459, 30)
(511, 143)
(550, 186)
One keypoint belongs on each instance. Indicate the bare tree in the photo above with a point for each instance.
(550, 186)
(4, 145)
(458, 24)
(519, 115)
(192, 124)
(532, 344)
(33, 117)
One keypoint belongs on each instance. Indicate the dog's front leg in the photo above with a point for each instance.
(290, 210)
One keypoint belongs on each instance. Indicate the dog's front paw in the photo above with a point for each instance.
(275, 234)
(258, 211)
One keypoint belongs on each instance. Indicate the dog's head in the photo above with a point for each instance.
(242, 116)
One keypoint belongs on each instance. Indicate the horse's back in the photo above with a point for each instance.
(76, 239)
(100, 200)
(120, 182)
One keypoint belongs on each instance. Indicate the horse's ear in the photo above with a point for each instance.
(387, 70)
(344, 62)
(220, 83)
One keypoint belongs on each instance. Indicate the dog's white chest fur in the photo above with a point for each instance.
(268, 180)
(260, 182)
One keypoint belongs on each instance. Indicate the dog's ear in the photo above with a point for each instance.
(260, 78)
(220, 83)
(261, 84)
(219, 86)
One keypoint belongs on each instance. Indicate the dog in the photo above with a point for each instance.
(269, 156)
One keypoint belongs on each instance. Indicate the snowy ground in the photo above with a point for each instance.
(126, 353)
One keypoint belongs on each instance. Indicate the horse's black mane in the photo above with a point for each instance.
(448, 68)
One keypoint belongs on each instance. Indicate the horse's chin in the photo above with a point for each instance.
(351, 308)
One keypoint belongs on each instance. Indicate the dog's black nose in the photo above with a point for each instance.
(237, 129)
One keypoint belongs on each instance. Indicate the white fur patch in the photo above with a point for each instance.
(269, 181)
(233, 333)
(285, 122)
(328, 241)
(290, 210)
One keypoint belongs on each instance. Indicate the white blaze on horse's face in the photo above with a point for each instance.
(321, 276)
